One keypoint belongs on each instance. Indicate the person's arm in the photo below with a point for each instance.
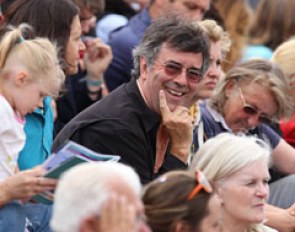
(281, 219)
(97, 59)
(284, 157)
(24, 185)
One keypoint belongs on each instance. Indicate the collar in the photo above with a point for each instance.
(150, 119)
(217, 117)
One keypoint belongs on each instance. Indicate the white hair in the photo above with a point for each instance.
(227, 153)
(82, 190)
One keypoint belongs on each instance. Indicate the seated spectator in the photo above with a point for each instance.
(248, 97)
(125, 39)
(284, 56)
(238, 168)
(219, 46)
(178, 201)
(29, 72)
(146, 121)
(62, 27)
(87, 85)
(98, 197)
(116, 14)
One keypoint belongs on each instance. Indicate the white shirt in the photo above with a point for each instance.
(12, 138)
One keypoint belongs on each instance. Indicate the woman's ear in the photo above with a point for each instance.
(20, 78)
(219, 193)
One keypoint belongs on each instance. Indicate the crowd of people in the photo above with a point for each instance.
(195, 96)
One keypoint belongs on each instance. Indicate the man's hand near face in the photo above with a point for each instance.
(179, 125)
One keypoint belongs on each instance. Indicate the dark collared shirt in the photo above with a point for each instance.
(121, 124)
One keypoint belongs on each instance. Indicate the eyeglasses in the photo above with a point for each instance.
(202, 184)
(251, 110)
(174, 69)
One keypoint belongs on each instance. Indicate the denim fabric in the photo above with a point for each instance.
(13, 217)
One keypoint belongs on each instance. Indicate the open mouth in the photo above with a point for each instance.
(175, 92)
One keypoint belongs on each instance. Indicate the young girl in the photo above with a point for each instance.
(29, 71)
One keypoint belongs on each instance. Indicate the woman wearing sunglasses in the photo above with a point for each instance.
(237, 166)
(180, 202)
(249, 96)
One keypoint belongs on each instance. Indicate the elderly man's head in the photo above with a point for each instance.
(252, 93)
(83, 190)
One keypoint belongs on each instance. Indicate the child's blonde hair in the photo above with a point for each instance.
(19, 49)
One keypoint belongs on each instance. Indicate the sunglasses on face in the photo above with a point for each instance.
(252, 111)
(202, 184)
(175, 69)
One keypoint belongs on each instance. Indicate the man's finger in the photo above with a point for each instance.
(165, 111)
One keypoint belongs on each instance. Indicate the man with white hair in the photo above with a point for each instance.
(96, 197)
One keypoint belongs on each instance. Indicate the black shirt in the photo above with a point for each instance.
(121, 124)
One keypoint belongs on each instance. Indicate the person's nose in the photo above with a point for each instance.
(262, 190)
(214, 72)
(181, 78)
(252, 120)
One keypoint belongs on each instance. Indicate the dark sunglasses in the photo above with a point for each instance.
(251, 110)
(175, 69)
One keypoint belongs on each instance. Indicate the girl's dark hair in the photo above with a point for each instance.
(49, 18)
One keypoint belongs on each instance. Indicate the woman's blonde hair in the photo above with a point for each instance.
(284, 57)
(259, 71)
(216, 34)
(19, 48)
(226, 154)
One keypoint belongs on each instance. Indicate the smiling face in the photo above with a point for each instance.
(179, 89)
(244, 193)
(257, 96)
(213, 74)
(74, 47)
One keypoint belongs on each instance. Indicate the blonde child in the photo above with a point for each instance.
(29, 71)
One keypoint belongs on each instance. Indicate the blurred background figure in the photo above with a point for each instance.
(284, 56)
(116, 14)
(237, 16)
(273, 24)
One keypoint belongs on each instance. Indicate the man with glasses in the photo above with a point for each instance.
(124, 39)
(252, 96)
(146, 121)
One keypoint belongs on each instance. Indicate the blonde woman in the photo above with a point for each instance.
(238, 168)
